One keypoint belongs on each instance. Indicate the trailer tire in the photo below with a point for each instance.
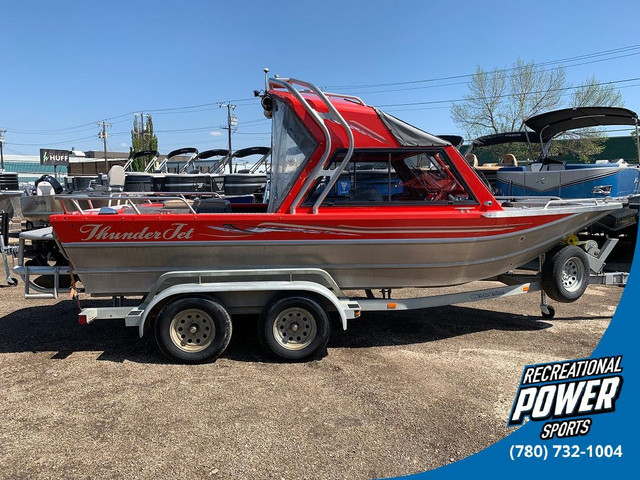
(565, 273)
(193, 330)
(294, 327)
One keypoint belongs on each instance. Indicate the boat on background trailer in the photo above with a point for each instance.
(440, 225)
(248, 181)
(549, 177)
(155, 177)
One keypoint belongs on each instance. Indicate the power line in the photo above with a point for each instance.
(432, 102)
(439, 103)
(174, 110)
(467, 75)
(593, 57)
(424, 87)
(51, 143)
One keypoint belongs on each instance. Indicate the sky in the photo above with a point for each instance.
(67, 65)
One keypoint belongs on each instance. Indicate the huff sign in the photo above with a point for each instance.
(54, 157)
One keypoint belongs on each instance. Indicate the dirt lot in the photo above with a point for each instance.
(398, 393)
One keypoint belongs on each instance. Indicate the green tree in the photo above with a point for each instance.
(500, 101)
(142, 138)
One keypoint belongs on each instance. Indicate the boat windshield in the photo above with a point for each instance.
(392, 177)
(292, 146)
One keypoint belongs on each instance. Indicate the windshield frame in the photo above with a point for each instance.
(292, 147)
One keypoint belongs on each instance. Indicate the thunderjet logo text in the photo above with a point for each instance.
(563, 390)
(177, 231)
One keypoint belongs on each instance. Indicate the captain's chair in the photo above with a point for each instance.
(44, 189)
(115, 179)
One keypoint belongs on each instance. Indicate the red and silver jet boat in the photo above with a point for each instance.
(372, 200)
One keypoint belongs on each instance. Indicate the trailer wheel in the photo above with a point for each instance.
(549, 314)
(294, 327)
(565, 274)
(193, 330)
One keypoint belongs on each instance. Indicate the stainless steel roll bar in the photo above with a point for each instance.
(333, 114)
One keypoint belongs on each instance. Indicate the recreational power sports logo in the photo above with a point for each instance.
(560, 391)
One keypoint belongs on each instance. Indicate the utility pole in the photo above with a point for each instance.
(232, 121)
(2, 132)
(103, 135)
(141, 133)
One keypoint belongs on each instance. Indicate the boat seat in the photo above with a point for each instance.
(509, 159)
(535, 167)
(44, 188)
(552, 164)
(471, 159)
(174, 204)
(212, 205)
(116, 178)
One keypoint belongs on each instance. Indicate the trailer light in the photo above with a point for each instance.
(391, 305)
(82, 319)
(357, 313)
(525, 288)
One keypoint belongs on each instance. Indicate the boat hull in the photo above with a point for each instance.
(39, 208)
(576, 181)
(9, 201)
(114, 258)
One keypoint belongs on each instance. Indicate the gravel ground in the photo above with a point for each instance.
(397, 393)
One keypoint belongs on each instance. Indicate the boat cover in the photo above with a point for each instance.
(407, 134)
(548, 125)
(245, 152)
(508, 137)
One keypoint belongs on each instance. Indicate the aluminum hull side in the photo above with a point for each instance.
(38, 208)
(132, 267)
(8, 201)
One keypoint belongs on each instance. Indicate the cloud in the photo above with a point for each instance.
(124, 144)
(215, 133)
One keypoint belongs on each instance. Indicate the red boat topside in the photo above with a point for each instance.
(340, 169)
(251, 228)
(314, 132)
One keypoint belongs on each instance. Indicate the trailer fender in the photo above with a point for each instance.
(197, 289)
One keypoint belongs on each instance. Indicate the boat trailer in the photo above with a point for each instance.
(190, 311)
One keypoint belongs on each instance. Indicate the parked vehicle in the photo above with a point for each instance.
(290, 260)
